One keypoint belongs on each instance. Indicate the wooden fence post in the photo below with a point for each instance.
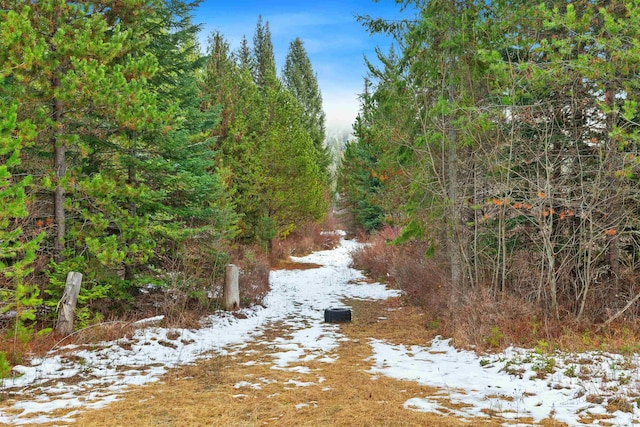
(231, 291)
(67, 304)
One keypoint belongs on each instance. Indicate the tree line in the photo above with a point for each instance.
(132, 157)
(504, 135)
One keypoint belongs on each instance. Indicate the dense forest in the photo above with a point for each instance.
(501, 138)
(134, 156)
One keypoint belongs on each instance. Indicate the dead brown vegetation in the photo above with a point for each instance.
(308, 238)
(407, 267)
(481, 316)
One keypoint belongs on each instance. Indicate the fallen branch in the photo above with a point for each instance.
(620, 312)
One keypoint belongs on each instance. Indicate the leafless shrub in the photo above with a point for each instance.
(420, 277)
(254, 267)
(481, 319)
(306, 239)
(375, 258)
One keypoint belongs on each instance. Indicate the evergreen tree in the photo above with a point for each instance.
(17, 248)
(264, 143)
(298, 77)
(378, 172)
(19, 240)
(358, 182)
(265, 63)
(221, 74)
(292, 190)
(173, 41)
(231, 90)
(86, 94)
(191, 201)
(245, 56)
(132, 176)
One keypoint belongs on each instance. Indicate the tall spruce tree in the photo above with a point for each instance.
(245, 56)
(191, 202)
(265, 63)
(299, 78)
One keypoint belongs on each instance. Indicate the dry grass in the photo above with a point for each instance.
(204, 394)
(308, 238)
(40, 346)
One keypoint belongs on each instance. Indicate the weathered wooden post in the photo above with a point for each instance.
(67, 304)
(231, 291)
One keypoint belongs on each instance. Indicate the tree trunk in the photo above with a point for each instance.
(613, 253)
(133, 208)
(60, 169)
(455, 257)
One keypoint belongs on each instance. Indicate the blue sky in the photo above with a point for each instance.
(335, 42)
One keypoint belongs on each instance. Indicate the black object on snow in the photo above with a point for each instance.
(337, 315)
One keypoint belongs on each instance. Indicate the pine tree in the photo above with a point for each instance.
(275, 173)
(265, 63)
(229, 88)
(293, 189)
(18, 245)
(17, 248)
(88, 98)
(134, 178)
(245, 56)
(298, 77)
(71, 95)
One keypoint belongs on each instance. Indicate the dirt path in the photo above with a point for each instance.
(248, 389)
(283, 366)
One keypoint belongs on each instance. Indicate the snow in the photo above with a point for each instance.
(92, 376)
(513, 384)
(510, 384)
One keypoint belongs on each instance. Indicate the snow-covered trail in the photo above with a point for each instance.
(77, 378)
(588, 389)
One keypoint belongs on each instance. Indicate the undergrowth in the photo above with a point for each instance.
(481, 318)
(183, 299)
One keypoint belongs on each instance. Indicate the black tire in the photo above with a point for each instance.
(337, 315)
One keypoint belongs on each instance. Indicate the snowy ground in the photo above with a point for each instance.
(515, 384)
(579, 389)
(92, 376)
